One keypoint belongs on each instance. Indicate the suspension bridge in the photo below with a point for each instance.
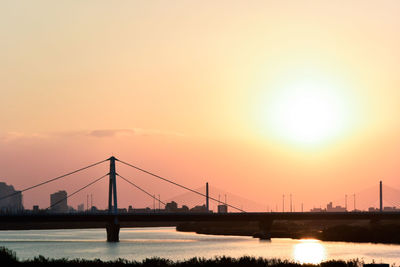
(113, 220)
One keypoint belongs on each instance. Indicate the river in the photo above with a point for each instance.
(165, 242)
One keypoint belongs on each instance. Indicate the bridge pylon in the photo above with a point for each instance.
(112, 189)
(113, 225)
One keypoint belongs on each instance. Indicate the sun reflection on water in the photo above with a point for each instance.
(309, 251)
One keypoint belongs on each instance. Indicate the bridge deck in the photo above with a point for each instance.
(181, 217)
(84, 220)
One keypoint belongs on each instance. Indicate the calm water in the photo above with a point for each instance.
(165, 242)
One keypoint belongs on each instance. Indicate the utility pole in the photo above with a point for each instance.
(345, 201)
(354, 202)
(291, 203)
(283, 203)
(380, 197)
(159, 202)
(207, 198)
(302, 207)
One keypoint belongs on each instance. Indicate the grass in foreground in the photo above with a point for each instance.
(8, 258)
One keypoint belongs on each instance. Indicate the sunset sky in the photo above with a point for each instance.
(259, 98)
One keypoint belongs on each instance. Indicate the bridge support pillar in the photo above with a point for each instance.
(113, 226)
(265, 230)
(112, 232)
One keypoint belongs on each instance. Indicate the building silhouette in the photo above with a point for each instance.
(143, 210)
(35, 208)
(173, 207)
(331, 208)
(222, 208)
(58, 201)
(81, 207)
(12, 204)
(198, 208)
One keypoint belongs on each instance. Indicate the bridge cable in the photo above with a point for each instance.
(182, 186)
(391, 202)
(77, 191)
(53, 179)
(141, 189)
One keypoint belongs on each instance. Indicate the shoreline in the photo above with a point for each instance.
(9, 258)
(386, 233)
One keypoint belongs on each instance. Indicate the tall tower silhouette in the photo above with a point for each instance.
(112, 191)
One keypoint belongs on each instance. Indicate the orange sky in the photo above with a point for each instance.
(195, 91)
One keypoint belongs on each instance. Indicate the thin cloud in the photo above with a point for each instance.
(99, 133)
(12, 136)
(108, 133)
(111, 133)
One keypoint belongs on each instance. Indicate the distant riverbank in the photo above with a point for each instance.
(371, 232)
(8, 258)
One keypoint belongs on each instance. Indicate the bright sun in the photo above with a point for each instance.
(309, 251)
(307, 112)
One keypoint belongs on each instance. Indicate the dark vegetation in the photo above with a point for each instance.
(389, 233)
(8, 258)
(347, 231)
